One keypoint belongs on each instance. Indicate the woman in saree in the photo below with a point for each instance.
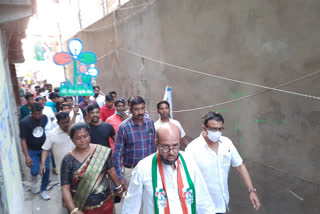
(84, 175)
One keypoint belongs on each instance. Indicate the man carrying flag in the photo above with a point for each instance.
(167, 181)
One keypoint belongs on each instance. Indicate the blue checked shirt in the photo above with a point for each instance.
(133, 143)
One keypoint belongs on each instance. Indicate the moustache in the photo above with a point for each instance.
(140, 115)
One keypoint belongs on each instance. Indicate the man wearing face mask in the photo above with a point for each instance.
(214, 154)
(167, 181)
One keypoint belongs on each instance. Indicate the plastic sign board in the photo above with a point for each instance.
(86, 69)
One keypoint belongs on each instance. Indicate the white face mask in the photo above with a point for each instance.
(214, 136)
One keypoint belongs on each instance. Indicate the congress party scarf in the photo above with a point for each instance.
(187, 192)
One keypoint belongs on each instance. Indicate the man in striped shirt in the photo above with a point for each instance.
(135, 140)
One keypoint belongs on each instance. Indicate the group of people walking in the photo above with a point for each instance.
(106, 153)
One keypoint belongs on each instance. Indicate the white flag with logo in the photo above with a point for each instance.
(167, 96)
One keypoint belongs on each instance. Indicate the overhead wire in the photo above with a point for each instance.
(215, 76)
(223, 78)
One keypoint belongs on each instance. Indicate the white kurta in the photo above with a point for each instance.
(141, 189)
(215, 168)
(100, 100)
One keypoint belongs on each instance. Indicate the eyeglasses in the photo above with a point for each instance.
(174, 148)
(215, 129)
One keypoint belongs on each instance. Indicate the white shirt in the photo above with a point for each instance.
(159, 123)
(100, 100)
(215, 168)
(49, 113)
(141, 189)
(79, 117)
(60, 143)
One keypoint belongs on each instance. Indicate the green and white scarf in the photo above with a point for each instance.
(187, 192)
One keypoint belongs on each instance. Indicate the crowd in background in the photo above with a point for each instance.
(102, 149)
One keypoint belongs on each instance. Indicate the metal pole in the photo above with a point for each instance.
(103, 9)
(79, 15)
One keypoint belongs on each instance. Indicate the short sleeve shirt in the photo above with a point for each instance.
(100, 134)
(24, 111)
(215, 168)
(158, 124)
(100, 100)
(33, 131)
(106, 112)
(70, 165)
(60, 143)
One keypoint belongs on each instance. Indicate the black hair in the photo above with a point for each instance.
(96, 86)
(136, 100)
(92, 106)
(211, 115)
(113, 92)
(66, 104)
(49, 84)
(62, 115)
(41, 89)
(129, 100)
(163, 102)
(109, 97)
(66, 98)
(77, 127)
(119, 100)
(36, 107)
(39, 98)
(28, 96)
(56, 89)
(85, 112)
(37, 86)
(53, 95)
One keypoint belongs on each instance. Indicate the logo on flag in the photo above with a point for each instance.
(161, 197)
(188, 194)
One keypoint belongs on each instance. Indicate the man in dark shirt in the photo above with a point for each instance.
(32, 137)
(25, 109)
(100, 131)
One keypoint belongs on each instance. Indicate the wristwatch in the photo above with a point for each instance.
(252, 190)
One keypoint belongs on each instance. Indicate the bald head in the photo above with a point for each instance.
(168, 132)
(168, 143)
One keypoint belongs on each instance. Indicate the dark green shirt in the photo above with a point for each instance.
(24, 111)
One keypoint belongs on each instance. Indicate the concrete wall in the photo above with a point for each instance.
(262, 42)
(11, 194)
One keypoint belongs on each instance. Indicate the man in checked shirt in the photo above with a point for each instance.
(135, 140)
